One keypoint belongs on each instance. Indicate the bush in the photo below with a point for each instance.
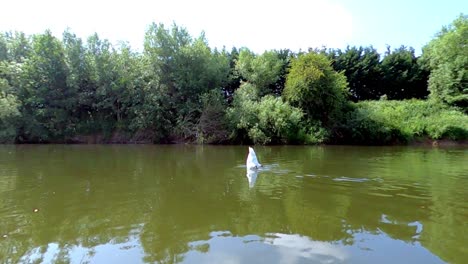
(269, 120)
(385, 122)
(316, 88)
(212, 126)
(311, 134)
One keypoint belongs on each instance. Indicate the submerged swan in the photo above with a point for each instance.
(252, 161)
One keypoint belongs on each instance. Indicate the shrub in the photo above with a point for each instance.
(262, 121)
(315, 87)
(384, 122)
(212, 126)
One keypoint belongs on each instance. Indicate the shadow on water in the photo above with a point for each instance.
(191, 204)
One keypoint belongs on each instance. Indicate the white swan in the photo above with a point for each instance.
(252, 161)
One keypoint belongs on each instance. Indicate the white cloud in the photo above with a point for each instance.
(258, 25)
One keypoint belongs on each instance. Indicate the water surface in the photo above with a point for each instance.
(197, 204)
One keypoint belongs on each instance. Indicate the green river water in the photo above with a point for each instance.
(198, 204)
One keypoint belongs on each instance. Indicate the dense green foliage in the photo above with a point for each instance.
(180, 90)
(447, 58)
(9, 113)
(315, 87)
(361, 67)
(262, 120)
(398, 75)
(387, 122)
(403, 77)
(262, 71)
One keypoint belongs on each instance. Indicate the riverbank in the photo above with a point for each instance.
(115, 138)
(414, 122)
(439, 143)
(409, 122)
(142, 138)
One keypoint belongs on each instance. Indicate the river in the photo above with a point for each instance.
(198, 204)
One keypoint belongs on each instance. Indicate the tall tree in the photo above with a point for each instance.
(47, 100)
(447, 59)
(162, 47)
(263, 71)
(104, 74)
(3, 48)
(285, 55)
(9, 113)
(314, 86)
(361, 66)
(234, 79)
(402, 75)
(79, 76)
(150, 112)
(186, 68)
(129, 81)
(19, 46)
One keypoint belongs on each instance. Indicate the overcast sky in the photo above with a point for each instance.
(258, 25)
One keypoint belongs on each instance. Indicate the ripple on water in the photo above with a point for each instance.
(413, 196)
(380, 194)
(348, 179)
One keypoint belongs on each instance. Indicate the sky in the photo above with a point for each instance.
(256, 24)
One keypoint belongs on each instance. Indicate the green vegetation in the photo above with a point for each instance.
(447, 58)
(315, 87)
(9, 114)
(388, 122)
(398, 75)
(263, 121)
(180, 90)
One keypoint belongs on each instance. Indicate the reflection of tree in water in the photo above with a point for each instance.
(169, 205)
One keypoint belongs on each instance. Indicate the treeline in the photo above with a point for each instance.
(178, 89)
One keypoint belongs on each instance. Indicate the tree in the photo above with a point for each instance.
(104, 76)
(9, 113)
(315, 87)
(150, 112)
(20, 47)
(402, 76)
(262, 71)
(126, 68)
(212, 125)
(186, 68)
(79, 76)
(361, 66)
(234, 80)
(285, 55)
(447, 58)
(162, 47)
(198, 70)
(47, 100)
(3, 48)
